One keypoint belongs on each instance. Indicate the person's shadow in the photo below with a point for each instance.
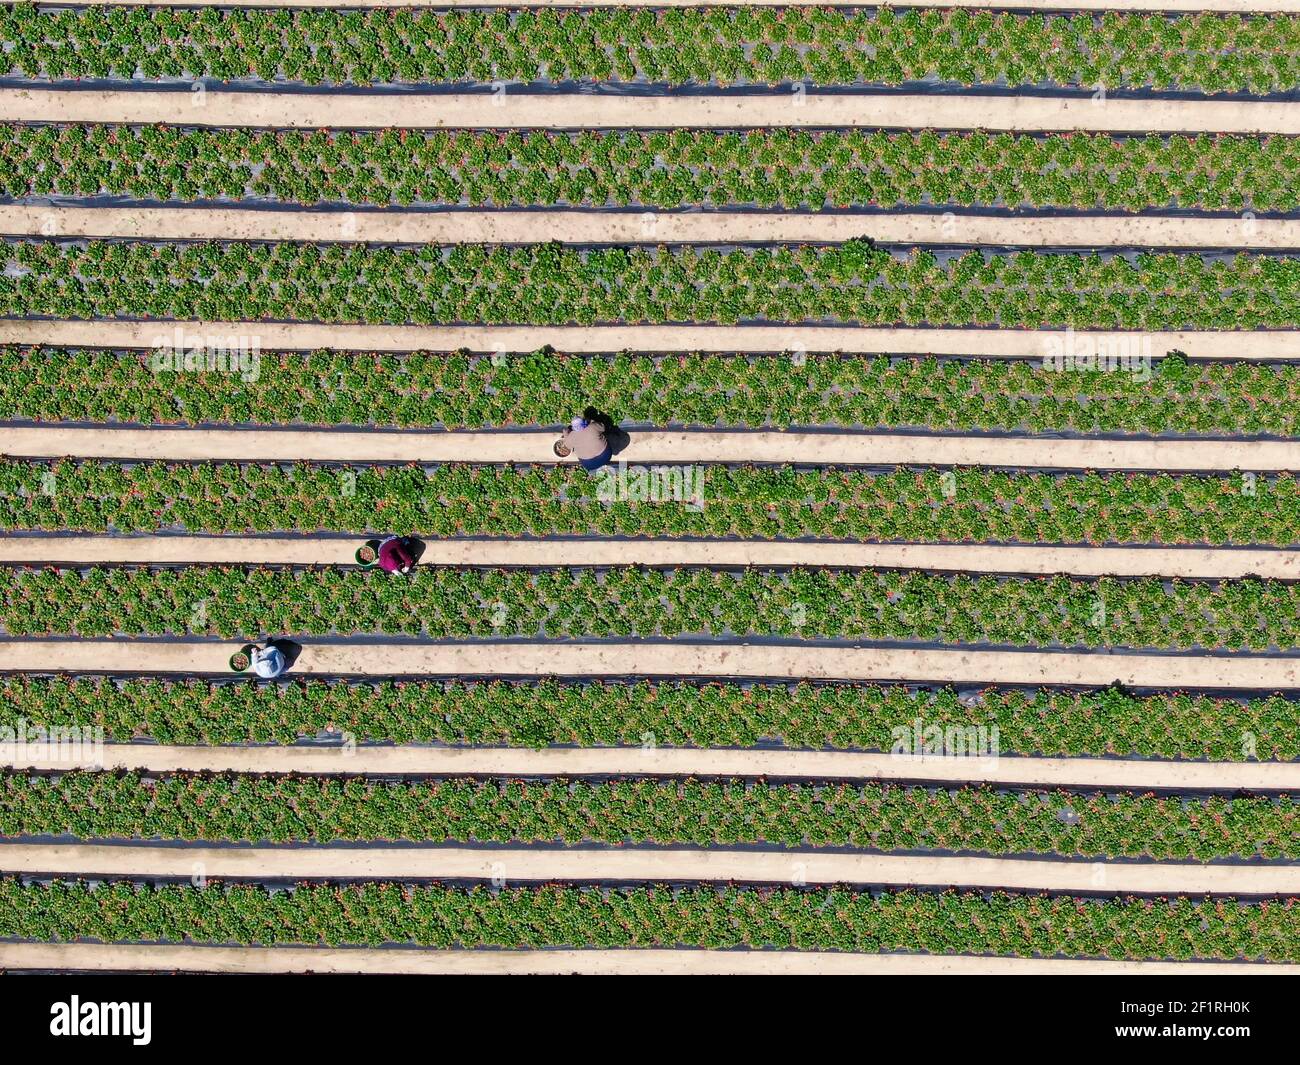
(289, 649)
(416, 546)
(616, 436)
(618, 439)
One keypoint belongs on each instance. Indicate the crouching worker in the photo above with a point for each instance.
(395, 555)
(268, 662)
(587, 441)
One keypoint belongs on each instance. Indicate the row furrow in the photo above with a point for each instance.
(671, 660)
(334, 551)
(1074, 346)
(604, 227)
(567, 110)
(644, 865)
(652, 761)
(649, 446)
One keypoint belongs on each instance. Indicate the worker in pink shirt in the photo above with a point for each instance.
(395, 555)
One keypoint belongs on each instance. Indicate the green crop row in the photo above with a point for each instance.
(753, 503)
(461, 391)
(665, 169)
(826, 47)
(878, 817)
(806, 919)
(674, 714)
(629, 601)
(550, 284)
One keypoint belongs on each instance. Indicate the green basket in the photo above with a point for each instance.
(368, 554)
(245, 654)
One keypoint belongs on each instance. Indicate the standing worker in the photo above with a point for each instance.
(587, 441)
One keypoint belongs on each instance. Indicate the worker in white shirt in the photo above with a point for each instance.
(268, 662)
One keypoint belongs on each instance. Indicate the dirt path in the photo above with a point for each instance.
(650, 446)
(1128, 774)
(1263, 345)
(105, 957)
(1189, 562)
(810, 661)
(661, 865)
(507, 110)
(623, 227)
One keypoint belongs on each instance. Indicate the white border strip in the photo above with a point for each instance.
(658, 865)
(1251, 345)
(1018, 771)
(109, 957)
(809, 661)
(648, 227)
(1035, 559)
(650, 446)
(318, 110)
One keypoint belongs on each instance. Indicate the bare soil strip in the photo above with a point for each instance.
(1185, 562)
(113, 957)
(660, 865)
(1059, 344)
(624, 227)
(520, 110)
(649, 446)
(809, 661)
(1109, 773)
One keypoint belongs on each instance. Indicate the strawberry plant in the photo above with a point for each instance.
(786, 168)
(630, 601)
(437, 915)
(679, 714)
(747, 502)
(550, 284)
(879, 817)
(705, 46)
(458, 391)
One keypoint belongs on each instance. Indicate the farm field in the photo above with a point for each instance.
(936, 608)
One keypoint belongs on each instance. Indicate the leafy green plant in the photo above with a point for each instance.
(749, 502)
(878, 817)
(457, 391)
(436, 915)
(854, 282)
(677, 714)
(630, 601)
(677, 46)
